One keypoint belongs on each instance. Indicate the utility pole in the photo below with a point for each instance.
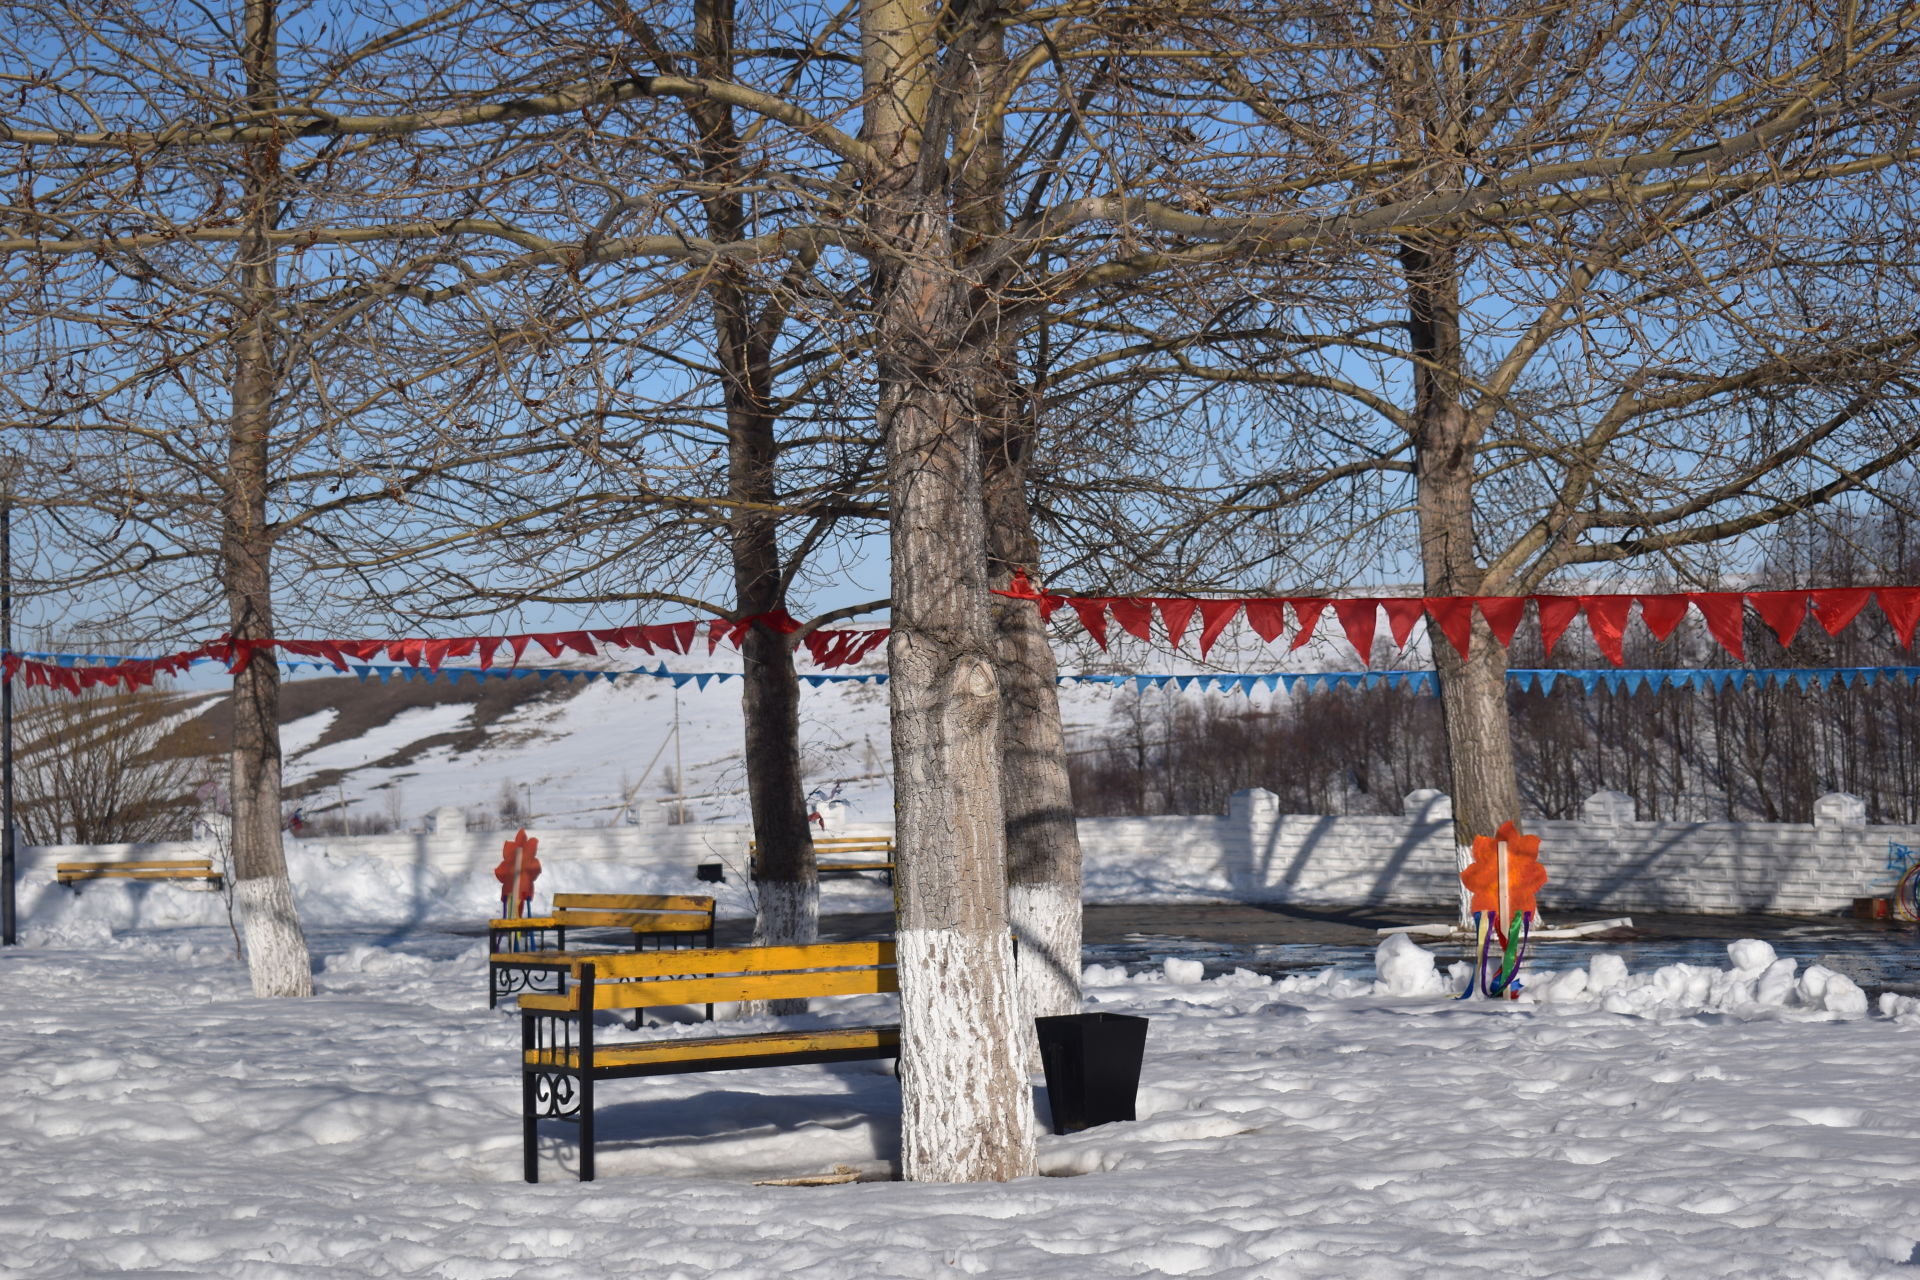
(679, 766)
(7, 920)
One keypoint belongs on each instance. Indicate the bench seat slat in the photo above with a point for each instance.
(66, 877)
(855, 866)
(632, 902)
(719, 960)
(653, 921)
(189, 864)
(718, 1048)
(721, 990)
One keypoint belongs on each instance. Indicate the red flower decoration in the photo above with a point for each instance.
(518, 856)
(1525, 875)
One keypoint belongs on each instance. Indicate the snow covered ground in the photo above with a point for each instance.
(1752, 1120)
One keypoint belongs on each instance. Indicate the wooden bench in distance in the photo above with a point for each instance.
(831, 854)
(191, 872)
(519, 951)
(561, 1062)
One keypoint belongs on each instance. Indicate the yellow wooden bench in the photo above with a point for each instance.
(561, 1060)
(658, 920)
(192, 870)
(839, 849)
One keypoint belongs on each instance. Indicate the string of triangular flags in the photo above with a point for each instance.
(1529, 679)
(84, 668)
(1607, 615)
(828, 648)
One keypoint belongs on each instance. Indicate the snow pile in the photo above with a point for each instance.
(1757, 982)
(1745, 1121)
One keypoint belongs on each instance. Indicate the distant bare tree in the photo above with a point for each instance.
(100, 768)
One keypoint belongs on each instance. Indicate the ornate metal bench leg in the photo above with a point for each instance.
(586, 1127)
(529, 1128)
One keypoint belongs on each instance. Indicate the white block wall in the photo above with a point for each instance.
(1254, 853)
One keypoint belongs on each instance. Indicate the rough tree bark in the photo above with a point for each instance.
(1473, 690)
(787, 887)
(277, 956)
(965, 1112)
(1043, 844)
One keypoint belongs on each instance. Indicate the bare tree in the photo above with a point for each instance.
(100, 768)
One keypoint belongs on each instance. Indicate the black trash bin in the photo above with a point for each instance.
(1093, 1067)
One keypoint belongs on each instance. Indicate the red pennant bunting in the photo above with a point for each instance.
(578, 641)
(1214, 617)
(328, 650)
(1358, 618)
(1902, 607)
(396, 651)
(1782, 611)
(1307, 613)
(1135, 617)
(1454, 616)
(1835, 607)
(610, 635)
(1725, 612)
(823, 648)
(680, 634)
(519, 646)
(1021, 588)
(1402, 614)
(716, 632)
(363, 650)
(1093, 616)
(1607, 620)
(435, 653)
(1176, 614)
(487, 646)
(780, 622)
(1556, 615)
(1268, 618)
(1503, 615)
(1662, 613)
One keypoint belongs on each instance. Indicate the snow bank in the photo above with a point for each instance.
(1757, 984)
(1737, 1122)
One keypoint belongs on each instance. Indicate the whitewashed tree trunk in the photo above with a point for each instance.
(1043, 842)
(277, 957)
(966, 1110)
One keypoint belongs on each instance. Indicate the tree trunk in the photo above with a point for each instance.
(786, 880)
(966, 1113)
(1473, 693)
(1043, 843)
(277, 955)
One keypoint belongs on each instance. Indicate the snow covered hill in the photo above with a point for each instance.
(588, 752)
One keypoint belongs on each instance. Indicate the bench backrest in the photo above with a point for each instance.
(833, 846)
(655, 913)
(650, 979)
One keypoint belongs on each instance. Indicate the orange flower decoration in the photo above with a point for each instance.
(1525, 875)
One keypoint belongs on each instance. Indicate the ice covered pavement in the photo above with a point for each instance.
(1686, 1122)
